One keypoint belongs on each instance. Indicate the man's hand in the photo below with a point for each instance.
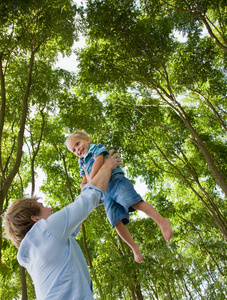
(102, 178)
(112, 161)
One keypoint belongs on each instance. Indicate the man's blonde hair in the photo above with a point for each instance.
(18, 218)
(79, 133)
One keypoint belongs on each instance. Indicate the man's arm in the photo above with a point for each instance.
(102, 178)
(84, 182)
(62, 224)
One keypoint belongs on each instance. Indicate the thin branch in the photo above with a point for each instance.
(203, 243)
(158, 125)
(20, 138)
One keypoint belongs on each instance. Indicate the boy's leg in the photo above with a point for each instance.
(163, 223)
(124, 233)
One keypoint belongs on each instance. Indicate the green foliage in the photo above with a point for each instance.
(9, 274)
(155, 99)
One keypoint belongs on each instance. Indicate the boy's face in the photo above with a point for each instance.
(79, 146)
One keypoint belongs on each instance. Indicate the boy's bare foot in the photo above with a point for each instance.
(166, 229)
(137, 255)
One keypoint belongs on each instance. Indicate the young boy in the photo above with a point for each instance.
(120, 196)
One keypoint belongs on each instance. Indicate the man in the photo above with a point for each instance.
(46, 241)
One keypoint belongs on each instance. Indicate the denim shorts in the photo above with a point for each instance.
(119, 197)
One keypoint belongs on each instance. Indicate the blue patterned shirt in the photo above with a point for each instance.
(90, 156)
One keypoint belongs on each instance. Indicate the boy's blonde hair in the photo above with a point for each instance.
(18, 218)
(79, 133)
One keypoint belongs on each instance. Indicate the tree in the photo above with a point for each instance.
(136, 50)
(211, 14)
(29, 30)
(158, 101)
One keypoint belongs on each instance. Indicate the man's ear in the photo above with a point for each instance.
(35, 218)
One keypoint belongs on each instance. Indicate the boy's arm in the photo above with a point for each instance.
(99, 160)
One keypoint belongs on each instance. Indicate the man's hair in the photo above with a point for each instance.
(79, 133)
(18, 218)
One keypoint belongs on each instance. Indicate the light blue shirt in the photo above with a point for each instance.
(51, 255)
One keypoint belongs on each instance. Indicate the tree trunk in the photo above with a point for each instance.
(168, 288)
(212, 209)
(23, 283)
(202, 146)
(133, 293)
(0, 240)
(5, 183)
(138, 292)
(90, 262)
